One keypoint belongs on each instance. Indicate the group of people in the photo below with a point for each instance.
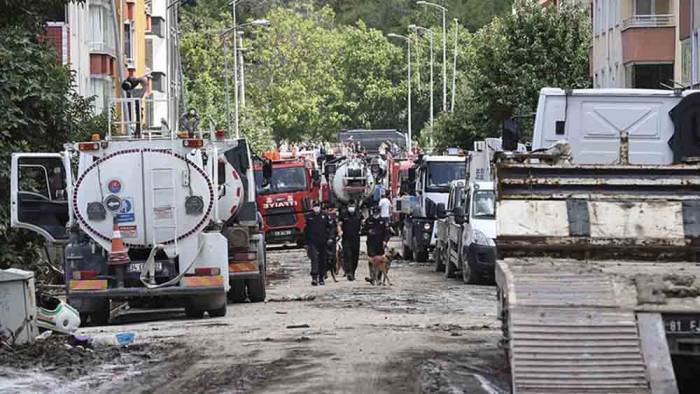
(323, 229)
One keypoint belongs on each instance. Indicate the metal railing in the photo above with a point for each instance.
(130, 118)
(661, 20)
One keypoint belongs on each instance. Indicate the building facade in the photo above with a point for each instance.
(85, 39)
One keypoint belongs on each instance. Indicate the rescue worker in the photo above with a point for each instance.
(351, 225)
(331, 244)
(316, 238)
(377, 230)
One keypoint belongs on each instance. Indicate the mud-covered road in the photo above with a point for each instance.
(423, 334)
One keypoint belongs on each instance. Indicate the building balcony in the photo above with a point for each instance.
(649, 40)
(665, 20)
(102, 47)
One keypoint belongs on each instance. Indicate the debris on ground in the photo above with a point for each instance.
(289, 298)
(298, 326)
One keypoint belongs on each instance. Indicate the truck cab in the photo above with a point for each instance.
(431, 185)
(285, 198)
(466, 234)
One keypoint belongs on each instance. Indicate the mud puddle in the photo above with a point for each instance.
(52, 365)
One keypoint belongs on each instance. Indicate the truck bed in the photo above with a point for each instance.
(592, 326)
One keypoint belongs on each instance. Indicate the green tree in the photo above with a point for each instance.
(39, 112)
(510, 60)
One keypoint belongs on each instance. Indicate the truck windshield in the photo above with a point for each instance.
(284, 180)
(484, 205)
(440, 174)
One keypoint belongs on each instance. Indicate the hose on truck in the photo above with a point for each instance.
(149, 268)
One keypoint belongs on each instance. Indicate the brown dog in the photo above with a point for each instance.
(338, 258)
(379, 267)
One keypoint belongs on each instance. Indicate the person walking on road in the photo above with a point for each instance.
(377, 230)
(316, 238)
(351, 224)
(385, 206)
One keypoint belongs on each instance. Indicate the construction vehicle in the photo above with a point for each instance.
(351, 182)
(428, 186)
(598, 273)
(152, 217)
(284, 199)
(466, 233)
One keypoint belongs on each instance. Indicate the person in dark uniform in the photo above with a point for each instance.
(351, 224)
(331, 244)
(316, 238)
(377, 230)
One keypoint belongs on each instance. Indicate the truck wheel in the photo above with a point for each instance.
(219, 312)
(439, 260)
(237, 291)
(449, 269)
(421, 255)
(100, 317)
(407, 253)
(256, 289)
(468, 275)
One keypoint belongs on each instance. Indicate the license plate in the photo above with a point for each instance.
(682, 324)
(281, 233)
(138, 267)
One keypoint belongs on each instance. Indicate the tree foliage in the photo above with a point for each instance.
(39, 112)
(509, 61)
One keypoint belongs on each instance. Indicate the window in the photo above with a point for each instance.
(651, 76)
(484, 204)
(102, 39)
(686, 61)
(652, 7)
(440, 174)
(149, 53)
(284, 180)
(101, 89)
(158, 26)
(158, 82)
(129, 42)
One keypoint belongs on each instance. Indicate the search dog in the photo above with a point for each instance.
(379, 267)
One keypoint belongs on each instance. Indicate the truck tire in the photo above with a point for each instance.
(193, 312)
(237, 292)
(439, 257)
(407, 253)
(218, 312)
(421, 255)
(449, 269)
(100, 317)
(468, 275)
(256, 289)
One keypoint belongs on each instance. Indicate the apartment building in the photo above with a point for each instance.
(84, 37)
(688, 47)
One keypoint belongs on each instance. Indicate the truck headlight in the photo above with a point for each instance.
(481, 239)
(426, 226)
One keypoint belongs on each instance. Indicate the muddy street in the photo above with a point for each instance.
(423, 334)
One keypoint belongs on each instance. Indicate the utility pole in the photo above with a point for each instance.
(454, 67)
(235, 71)
(408, 82)
(444, 49)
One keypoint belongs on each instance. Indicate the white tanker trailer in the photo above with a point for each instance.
(352, 182)
(155, 220)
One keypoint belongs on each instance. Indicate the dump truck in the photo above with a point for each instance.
(152, 217)
(597, 273)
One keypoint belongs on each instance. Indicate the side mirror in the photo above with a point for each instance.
(440, 210)
(267, 172)
(458, 213)
(316, 177)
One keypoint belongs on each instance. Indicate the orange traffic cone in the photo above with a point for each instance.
(119, 253)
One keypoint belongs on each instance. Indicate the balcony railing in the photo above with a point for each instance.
(661, 20)
(101, 47)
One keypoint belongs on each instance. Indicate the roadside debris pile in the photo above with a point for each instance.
(71, 357)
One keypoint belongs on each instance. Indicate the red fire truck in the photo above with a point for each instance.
(295, 184)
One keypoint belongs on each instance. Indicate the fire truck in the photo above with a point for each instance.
(284, 199)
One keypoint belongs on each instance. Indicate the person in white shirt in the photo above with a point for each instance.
(385, 206)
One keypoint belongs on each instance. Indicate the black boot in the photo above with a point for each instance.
(314, 282)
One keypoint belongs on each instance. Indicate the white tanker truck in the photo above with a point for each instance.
(352, 182)
(155, 219)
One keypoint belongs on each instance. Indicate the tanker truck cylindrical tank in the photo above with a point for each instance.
(353, 181)
(231, 192)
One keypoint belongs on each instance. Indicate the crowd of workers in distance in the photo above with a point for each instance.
(323, 229)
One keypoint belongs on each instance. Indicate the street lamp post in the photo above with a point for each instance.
(408, 82)
(444, 49)
(235, 69)
(432, 61)
(454, 67)
(240, 59)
